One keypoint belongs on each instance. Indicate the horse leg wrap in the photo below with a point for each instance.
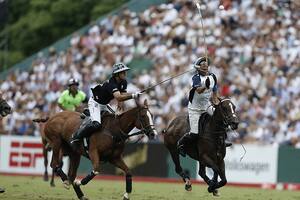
(60, 173)
(184, 176)
(89, 177)
(128, 183)
(78, 191)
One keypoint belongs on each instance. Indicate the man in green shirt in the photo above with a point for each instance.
(71, 98)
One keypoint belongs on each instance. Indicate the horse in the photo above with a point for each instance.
(107, 144)
(209, 149)
(5, 109)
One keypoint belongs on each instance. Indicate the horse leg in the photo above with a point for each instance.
(94, 157)
(74, 163)
(55, 162)
(214, 182)
(202, 173)
(45, 154)
(221, 173)
(175, 157)
(52, 184)
(119, 162)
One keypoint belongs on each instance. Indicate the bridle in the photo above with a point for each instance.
(225, 121)
(145, 130)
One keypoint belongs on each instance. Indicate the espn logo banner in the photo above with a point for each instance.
(23, 154)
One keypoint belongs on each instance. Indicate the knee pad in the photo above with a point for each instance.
(210, 110)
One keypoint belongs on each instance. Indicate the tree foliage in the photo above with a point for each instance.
(35, 24)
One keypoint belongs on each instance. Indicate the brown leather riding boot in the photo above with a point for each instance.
(84, 131)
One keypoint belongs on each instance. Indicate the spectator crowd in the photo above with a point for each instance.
(254, 47)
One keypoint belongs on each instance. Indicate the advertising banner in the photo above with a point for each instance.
(142, 160)
(23, 155)
(259, 164)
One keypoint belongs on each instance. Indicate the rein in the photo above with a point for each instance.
(143, 131)
(213, 136)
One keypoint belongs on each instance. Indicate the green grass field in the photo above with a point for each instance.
(34, 188)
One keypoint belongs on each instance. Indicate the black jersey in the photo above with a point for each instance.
(103, 93)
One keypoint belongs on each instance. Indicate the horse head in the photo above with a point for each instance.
(5, 109)
(226, 109)
(145, 120)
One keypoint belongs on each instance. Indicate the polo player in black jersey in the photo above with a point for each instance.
(113, 88)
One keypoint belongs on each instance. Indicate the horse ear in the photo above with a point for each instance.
(146, 103)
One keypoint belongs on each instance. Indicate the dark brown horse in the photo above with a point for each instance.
(5, 109)
(105, 145)
(209, 149)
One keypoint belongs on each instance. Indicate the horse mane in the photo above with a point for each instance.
(130, 110)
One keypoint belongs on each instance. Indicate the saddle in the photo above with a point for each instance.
(86, 113)
(85, 116)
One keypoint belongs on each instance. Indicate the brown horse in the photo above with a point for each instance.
(106, 144)
(209, 149)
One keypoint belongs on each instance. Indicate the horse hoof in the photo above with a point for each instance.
(52, 184)
(77, 182)
(188, 185)
(126, 196)
(216, 193)
(210, 189)
(66, 184)
(46, 178)
(84, 198)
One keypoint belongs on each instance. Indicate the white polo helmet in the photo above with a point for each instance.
(119, 67)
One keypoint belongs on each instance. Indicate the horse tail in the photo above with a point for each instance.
(40, 120)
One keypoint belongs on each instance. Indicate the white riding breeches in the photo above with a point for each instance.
(95, 110)
(194, 117)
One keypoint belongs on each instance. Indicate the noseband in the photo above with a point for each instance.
(145, 129)
(224, 116)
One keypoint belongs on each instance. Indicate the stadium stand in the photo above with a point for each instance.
(254, 46)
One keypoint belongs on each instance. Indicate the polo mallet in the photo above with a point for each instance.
(197, 3)
(161, 82)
